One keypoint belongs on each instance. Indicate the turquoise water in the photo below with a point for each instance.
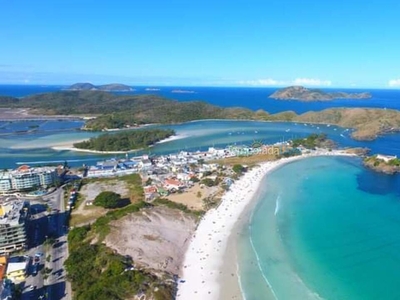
(18, 147)
(318, 231)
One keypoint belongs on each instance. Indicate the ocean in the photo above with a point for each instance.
(322, 227)
(252, 98)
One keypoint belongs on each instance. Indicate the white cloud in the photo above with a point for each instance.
(312, 82)
(262, 82)
(394, 82)
(273, 82)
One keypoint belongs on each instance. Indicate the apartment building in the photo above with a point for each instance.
(13, 215)
(25, 178)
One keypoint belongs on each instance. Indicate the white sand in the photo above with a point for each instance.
(172, 138)
(203, 261)
(69, 146)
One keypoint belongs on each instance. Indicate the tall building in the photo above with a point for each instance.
(13, 214)
(25, 178)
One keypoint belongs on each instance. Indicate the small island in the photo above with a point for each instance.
(113, 87)
(125, 141)
(383, 163)
(301, 93)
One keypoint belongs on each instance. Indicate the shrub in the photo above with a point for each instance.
(107, 199)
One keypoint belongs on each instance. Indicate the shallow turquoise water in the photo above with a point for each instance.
(318, 230)
(33, 148)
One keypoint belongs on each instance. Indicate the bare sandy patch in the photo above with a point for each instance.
(193, 197)
(155, 238)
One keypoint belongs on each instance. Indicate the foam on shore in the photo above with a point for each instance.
(202, 267)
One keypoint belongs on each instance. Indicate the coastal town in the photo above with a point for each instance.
(38, 205)
(37, 202)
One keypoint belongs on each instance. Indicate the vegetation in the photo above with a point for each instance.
(389, 167)
(77, 235)
(174, 205)
(209, 182)
(304, 94)
(310, 142)
(238, 169)
(246, 160)
(107, 199)
(96, 273)
(132, 110)
(125, 141)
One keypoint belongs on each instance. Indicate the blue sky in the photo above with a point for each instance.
(229, 43)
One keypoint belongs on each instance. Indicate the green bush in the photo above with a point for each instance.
(107, 199)
(238, 169)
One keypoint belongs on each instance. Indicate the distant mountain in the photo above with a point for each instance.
(113, 87)
(303, 94)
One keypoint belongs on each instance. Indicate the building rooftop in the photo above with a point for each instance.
(10, 211)
(16, 266)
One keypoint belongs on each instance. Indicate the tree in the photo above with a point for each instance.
(107, 199)
(209, 182)
(194, 179)
(238, 169)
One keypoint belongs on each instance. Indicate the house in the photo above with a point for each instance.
(386, 158)
(172, 184)
(144, 164)
(16, 271)
(150, 189)
(183, 176)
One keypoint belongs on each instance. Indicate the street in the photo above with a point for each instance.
(46, 278)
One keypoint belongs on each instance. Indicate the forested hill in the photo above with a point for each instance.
(126, 140)
(118, 111)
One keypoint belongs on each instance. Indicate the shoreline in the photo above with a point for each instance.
(208, 268)
(69, 146)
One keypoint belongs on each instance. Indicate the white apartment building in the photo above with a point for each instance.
(25, 178)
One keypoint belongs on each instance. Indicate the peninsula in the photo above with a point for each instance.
(383, 163)
(113, 87)
(125, 141)
(301, 93)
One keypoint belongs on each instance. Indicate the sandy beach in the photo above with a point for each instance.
(204, 272)
(69, 146)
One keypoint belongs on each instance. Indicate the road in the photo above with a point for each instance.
(44, 224)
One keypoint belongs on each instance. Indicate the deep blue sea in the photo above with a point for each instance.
(252, 98)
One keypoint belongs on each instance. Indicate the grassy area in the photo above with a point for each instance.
(179, 206)
(246, 160)
(133, 182)
(79, 219)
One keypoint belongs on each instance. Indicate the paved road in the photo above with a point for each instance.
(59, 288)
(42, 224)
